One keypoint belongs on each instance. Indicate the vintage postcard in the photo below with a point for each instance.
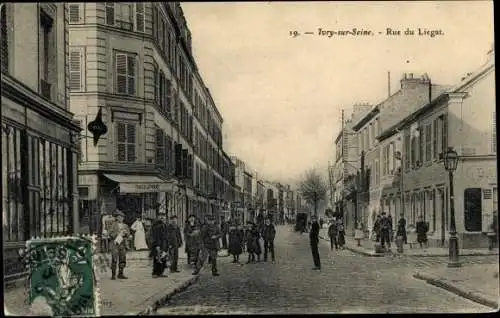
(173, 158)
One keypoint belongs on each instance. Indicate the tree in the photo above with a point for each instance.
(313, 188)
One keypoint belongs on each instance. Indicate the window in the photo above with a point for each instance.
(161, 32)
(421, 145)
(139, 16)
(75, 13)
(435, 140)
(493, 133)
(5, 38)
(385, 160)
(169, 159)
(76, 60)
(124, 16)
(428, 142)
(110, 13)
(473, 209)
(126, 142)
(154, 22)
(47, 54)
(160, 148)
(125, 66)
(444, 133)
(414, 149)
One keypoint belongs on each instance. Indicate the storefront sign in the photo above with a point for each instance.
(144, 187)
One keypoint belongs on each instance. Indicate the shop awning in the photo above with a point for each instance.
(139, 184)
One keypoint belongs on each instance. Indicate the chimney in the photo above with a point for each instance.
(408, 81)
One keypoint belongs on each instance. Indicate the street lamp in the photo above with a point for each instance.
(450, 164)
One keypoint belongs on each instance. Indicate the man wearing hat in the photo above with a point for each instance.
(159, 245)
(174, 240)
(210, 235)
(118, 233)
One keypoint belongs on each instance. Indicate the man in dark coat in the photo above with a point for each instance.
(119, 233)
(314, 241)
(332, 233)
(159, 245)
(193, 239)
(385, 229)
(268, 234)
(210, 235)
(174, 239)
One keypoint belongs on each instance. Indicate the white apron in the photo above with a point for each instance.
(139, 236)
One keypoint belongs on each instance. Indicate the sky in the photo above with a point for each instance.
(281, 96)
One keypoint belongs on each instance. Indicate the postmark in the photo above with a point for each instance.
(62, 280)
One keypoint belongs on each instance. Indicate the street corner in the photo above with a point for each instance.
(457, 289)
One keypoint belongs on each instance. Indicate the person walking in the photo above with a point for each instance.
(118, 233)
(385, 228)
(253, 245)
(139, 234)
(192, 239)
(314, 241)
(332, 234)
(210, 235)
(235, 242)
(159, 246)
(341, 233)
(422, 229)
(402, 225)
(174, 239)
(401, 235)
(269, 234)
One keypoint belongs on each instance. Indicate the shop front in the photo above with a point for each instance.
(39, 167)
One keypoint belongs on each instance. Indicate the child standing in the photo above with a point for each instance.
(358, 234)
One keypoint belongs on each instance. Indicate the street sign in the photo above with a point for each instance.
(97, 127)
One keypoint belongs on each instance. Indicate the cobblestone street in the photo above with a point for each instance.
(347, 283)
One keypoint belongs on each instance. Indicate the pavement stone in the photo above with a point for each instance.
(478, 283)
(347, 283)
(367, 248)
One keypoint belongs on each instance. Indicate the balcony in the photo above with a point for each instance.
(46, 89)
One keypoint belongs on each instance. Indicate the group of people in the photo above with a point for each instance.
(336, 233)
(248, 239)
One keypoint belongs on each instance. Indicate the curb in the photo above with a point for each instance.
(151, 309)
(370, 254)
(457, 291)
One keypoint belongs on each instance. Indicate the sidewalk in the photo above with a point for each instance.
(368, 248)
(478, 283)
(140, 294)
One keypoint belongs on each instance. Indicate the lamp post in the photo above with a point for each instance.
(450, 164)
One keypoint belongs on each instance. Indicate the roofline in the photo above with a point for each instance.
(366, 118)
(408, 120)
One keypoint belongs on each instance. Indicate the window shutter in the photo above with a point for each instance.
(110, 13)
(121, 138)
(139, 16)
(121, 73)
(160, 148)
(75, 69)
(155, 22)
(444, 132)
(75, 13)
(131, 72)
(131, 142)
(494, 133)
(421, 139)
(168, 97)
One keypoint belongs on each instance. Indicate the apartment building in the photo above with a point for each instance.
(39, 136)
(463, 118)
(240, 203)
(133, 63)
(413, 94)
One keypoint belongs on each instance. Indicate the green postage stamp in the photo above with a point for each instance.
(62, 280)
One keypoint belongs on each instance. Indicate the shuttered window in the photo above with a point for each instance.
(4, 38)
(421, 145)
(444, 133)
(161, 91)
(494, 133)
(139, 16)
(428, 142)
(160, 147)
(110, 13)
(435, 139)
(75, 13)
(125, 66)
(169, 157)
(169, 97)
(126, 140)
(156, 83)
(76, 68)
(155, 22)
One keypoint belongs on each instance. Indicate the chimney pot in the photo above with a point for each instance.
(410, 75)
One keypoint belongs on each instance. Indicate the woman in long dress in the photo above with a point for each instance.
(140, 235)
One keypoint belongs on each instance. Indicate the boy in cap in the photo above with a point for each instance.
(210, 235)
(118, 233)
